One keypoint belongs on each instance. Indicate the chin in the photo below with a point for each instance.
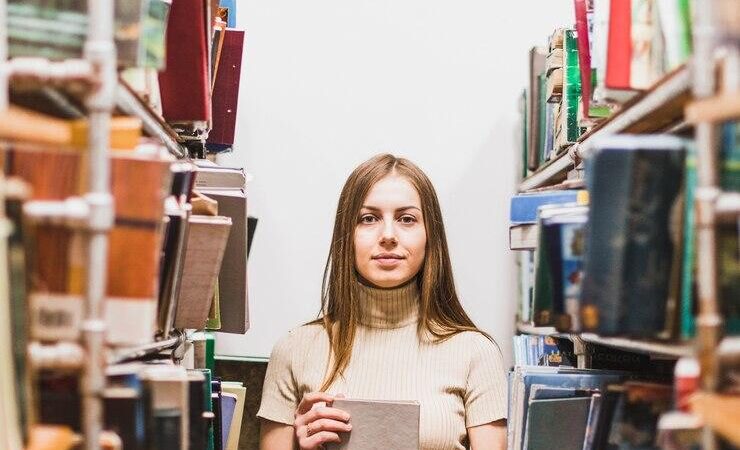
(385, 281)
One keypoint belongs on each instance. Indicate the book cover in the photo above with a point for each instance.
(571, 87)
(379, 425)
(206, 243)
(184, 84)
(240, 392)
(232, 279)
(584, 9)
(572, 249)
(226, 90)
(619, 45)
(637, 410)
(634, 184)
(572, 416)
(523, 207)
(537, 57)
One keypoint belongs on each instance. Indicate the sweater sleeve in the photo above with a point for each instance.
(485, 395)
(280, 391)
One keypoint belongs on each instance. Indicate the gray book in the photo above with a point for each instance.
(379, 425)
(558, 423)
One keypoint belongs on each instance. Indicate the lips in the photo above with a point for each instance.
(388, 260)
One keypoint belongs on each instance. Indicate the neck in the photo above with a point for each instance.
(388, 307)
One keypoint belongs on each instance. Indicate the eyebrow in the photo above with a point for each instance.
(403, 208)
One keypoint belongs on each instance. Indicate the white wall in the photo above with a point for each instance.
(326, 84)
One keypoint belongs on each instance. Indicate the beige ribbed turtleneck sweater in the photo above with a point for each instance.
(459, 383)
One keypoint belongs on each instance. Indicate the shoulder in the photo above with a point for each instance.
(476, 346)
(298, 339)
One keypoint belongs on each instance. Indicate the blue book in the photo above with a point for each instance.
(228, 407)
(231, 5)
(524, 206)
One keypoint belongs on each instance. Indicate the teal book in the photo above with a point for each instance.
(571, 86)
(688, 272)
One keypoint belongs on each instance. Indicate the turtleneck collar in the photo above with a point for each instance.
(388, 308)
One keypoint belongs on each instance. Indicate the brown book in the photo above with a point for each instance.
(206, 243)
(139, 188)
(555, 86)
(55, 312)
(379, 425)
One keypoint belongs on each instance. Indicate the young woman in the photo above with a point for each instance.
(391, 327)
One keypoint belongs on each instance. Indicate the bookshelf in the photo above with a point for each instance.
(696, 99)
(663, 103)
(94, 88)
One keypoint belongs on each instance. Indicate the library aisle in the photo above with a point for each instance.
(128, 320)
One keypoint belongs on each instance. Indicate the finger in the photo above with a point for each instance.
(324, 413)
(312, 398)
(319, 438)
(336, 397)
(330, 425)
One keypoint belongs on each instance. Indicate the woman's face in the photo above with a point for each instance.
(390, 236)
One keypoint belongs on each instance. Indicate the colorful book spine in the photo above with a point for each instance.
(619, 45)
(571, 86)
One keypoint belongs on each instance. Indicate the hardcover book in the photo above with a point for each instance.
(634, 184)
(379, 425)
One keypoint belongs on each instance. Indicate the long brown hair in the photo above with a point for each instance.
(440, 311)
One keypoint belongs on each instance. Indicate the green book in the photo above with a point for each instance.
(571, 86)
(542, 118)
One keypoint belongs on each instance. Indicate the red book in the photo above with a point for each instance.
(184, 83)
(619, 45)
(584, 52)
(226, 89)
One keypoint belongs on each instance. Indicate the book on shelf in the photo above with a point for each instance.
(232, 281)
(524, 207)
(372, 422)
(239, 392)
(557, 273)
(226, 91)
(185, 82)
(537, 58)
(634, 184)
(204, 251)
(57, 30)
(523, 236)
(522, 381)
(571, 430)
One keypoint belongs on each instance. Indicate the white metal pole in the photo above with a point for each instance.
(709, 321)
(4, 93)
(101, 52)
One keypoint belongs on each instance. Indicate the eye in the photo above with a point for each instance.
(407, 219)
(368, 219)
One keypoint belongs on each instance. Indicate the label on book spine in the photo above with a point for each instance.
(56, 316)
(131, 321)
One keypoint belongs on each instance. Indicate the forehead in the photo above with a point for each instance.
(393, 191)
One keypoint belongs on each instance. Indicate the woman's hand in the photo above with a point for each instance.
(316, 425)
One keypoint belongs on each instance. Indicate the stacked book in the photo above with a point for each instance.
(588, 265)
(586, 73)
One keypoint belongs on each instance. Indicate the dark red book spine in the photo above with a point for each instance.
(619, 45)
(584, 53)
(184, 84)
(226, 89)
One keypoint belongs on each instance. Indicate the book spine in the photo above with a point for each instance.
(619, 46)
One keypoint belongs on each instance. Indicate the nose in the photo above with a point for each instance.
(388, 236)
